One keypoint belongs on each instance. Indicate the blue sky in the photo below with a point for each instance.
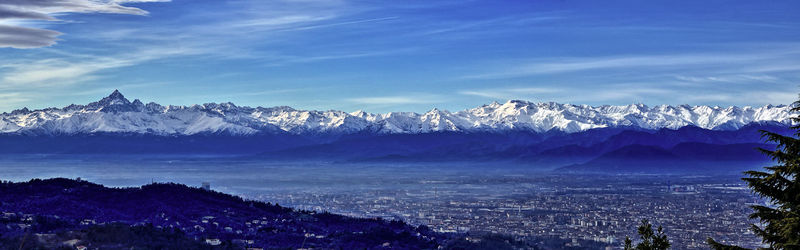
(384, 56)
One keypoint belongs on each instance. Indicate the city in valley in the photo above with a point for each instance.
(581, 209)
(577, 210)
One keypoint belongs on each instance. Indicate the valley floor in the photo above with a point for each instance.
(540, 208)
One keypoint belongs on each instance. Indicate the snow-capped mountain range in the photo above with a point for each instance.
(116, 114)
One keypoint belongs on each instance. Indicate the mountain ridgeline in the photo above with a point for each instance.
(632, 138)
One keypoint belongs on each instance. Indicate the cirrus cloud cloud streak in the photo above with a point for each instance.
(410, 55)
(15, 17)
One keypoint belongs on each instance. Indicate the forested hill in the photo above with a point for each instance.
(57, 213)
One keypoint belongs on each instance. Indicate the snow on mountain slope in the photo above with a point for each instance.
(115, 113)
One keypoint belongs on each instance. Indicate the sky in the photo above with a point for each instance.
(409, 55)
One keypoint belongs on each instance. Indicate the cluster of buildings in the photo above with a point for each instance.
(601, 209)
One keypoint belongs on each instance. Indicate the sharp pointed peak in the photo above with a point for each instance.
(23, 110)
(116, 95)
(494, 104)
(115, 98)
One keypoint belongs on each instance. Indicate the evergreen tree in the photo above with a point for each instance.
(780, 185)
(650, 239)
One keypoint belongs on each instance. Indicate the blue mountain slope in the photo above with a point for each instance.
(538, 135)
(691, 157)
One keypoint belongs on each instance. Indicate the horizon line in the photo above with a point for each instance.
(495, 102)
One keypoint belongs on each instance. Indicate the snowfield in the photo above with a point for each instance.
(115, 113)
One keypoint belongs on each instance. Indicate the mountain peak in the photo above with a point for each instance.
(359, 113)
(518, 103)
(114, 99)
(116, 95)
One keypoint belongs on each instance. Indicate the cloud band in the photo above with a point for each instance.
(18, 36)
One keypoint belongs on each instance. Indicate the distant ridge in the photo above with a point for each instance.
(116, 114)
(691, 157)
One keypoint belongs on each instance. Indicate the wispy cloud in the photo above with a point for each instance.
(359, 21)
(241, 32)
(9, 13)
(735, 78)
(399, 99)
(250, 30)
(622, 94)
(642, 92)
(510, 93)
(16, 35)
(455, 57)
(279, 60)
(771, 97)
(124, 88)
(265, 93)
(12, 98)
(25, 38)
(64, 71)
(435, 31)
(751, 60)
(278, 22)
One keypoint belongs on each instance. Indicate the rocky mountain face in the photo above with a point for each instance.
(116, 114)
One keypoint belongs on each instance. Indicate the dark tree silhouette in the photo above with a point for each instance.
(715, 245)
(780, 185)
(650, 240)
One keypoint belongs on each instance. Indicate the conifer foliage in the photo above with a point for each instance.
(780, 185)
(650, 240)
